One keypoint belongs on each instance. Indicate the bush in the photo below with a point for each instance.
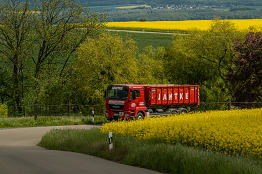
(3, 111)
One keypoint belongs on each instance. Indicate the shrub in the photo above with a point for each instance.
(3, 111)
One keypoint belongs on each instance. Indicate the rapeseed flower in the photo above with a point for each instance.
(230, 132)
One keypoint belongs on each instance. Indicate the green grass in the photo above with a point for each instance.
(146, 39)
(48, 121)
(151, 154)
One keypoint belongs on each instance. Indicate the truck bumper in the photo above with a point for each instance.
(116, 115)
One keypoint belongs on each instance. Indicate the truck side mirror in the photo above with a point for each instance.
(105, 94)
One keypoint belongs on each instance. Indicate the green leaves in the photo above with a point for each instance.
(203, 58)
(246, 73)
(102, 61)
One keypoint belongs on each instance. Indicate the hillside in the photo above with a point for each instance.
(159, 3)
(153, 10)
(174, 10)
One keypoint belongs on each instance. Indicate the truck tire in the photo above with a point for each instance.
(150, 111)
(175, 112)
(140, 116)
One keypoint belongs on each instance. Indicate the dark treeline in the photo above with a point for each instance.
(168, 10)
(181, 14)
(48, 58)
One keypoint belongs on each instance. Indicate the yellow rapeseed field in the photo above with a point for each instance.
(185, 25)
(230, 132)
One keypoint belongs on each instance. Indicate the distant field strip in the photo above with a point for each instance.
(229, 132)
(183, 25)
(134, 6)
(147, 32)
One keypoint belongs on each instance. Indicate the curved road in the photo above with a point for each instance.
(20, 155)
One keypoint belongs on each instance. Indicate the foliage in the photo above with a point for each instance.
(47, 28)
(150, 66)
(15, 22)
(110, 60)
(102, 61)
(151, 154)
(203, 58)
(57, 39)
(213, 93)
(246, 74)
(3, 111)
(230, 132)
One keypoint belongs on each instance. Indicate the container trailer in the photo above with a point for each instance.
(128, 101)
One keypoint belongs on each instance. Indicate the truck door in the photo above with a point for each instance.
(136, 102)
(140, 101)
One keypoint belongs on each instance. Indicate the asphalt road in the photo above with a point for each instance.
(20, 155)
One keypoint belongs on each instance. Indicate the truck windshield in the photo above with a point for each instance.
(117, 92)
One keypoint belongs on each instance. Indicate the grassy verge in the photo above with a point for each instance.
(48, 121)
(151, 154)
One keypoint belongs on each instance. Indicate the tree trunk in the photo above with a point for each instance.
(16, 85)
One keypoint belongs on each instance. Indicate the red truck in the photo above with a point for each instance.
(127, 101)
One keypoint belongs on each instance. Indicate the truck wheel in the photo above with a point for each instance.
(175, 112)
(140, 116)
(150, 111)
(110, 119)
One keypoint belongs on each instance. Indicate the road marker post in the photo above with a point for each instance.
(147, 114)
(93, 117)
(110, 140)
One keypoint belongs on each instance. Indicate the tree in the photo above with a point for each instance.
(39, 41)
(15, 23)
(58, 35)
(103, 61)
(246, 74)
(203, 58)
(150, 66)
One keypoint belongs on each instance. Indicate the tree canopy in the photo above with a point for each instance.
(38, 41)
(246, 74)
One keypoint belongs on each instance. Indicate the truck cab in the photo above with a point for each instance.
(125, 102)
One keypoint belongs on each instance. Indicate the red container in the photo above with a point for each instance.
(171, 95)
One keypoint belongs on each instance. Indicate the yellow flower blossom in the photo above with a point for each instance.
(230, 132)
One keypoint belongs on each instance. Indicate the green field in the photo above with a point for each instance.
(146, 39)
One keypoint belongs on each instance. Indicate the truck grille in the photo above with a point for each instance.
(118, 107)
